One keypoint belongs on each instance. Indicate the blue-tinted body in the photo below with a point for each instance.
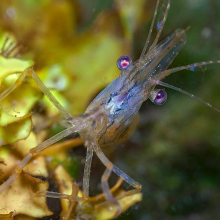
(121, 100)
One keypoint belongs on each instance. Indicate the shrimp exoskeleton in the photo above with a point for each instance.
(112, 116)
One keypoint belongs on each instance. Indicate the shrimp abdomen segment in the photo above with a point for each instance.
(119, 132)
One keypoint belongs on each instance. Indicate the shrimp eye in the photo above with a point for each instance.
(158, 96)
(123, 62)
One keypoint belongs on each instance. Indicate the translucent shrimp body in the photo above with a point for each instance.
(121, 100)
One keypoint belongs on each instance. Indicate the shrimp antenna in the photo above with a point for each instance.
(151, 29)
(159, 26)
(186, 93)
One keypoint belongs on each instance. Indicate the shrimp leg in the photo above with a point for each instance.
(115, 169)
(34, 151)
(87, 169)
(13, 87)
(44, 89)
(106, 190)
(49, 95)
(109, 168)
(46, 143)
(73, 198)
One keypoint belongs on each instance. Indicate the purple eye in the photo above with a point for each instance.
(160, 97)
(123, 62)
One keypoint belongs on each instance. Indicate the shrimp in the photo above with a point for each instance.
(112, 116)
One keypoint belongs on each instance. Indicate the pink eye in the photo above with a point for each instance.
(123, 62)
(160, 97)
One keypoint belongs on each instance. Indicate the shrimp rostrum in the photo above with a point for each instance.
(111, 117)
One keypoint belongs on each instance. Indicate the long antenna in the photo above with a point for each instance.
(186, 93)
(161, 25)
(151, 29)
